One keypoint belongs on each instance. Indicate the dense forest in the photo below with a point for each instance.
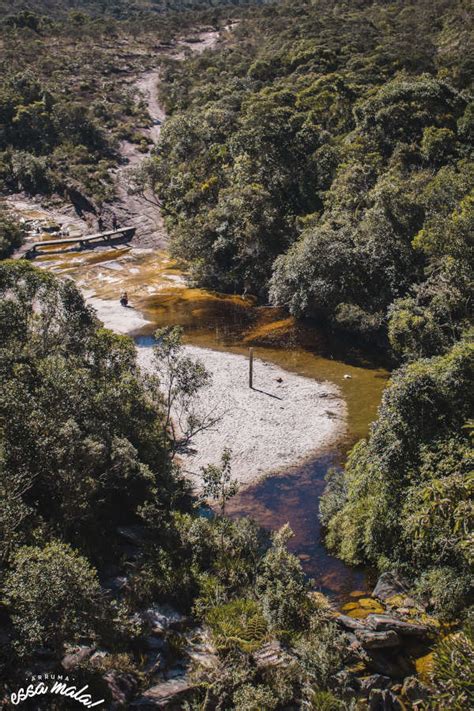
(323, 160)
(319, 159)
(98, 526)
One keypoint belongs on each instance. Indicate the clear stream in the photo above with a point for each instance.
(231, 323)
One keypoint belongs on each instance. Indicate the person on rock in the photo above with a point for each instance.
(124, 298)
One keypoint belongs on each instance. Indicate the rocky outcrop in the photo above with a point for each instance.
(169, 695)
(387, 586)
(76, 655)
(383, 700)
(374, 681)
(121, 686)
(349, 623)
(161, 618)
(376, 640)
(199, 650)
(395, 666)
(415, 691)
(384, 623)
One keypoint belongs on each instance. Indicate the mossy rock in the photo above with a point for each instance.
(359, 613)
(399, 600)
(368, 603)
(425, 619)
(350, 606)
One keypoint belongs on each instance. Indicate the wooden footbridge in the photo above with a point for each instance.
(32, 249)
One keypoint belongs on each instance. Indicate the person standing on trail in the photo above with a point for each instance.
(100, 223)
(114, 222)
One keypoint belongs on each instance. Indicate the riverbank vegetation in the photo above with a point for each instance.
(323, 160)
(98, 527)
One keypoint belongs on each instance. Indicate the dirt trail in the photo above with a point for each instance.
(142, 211)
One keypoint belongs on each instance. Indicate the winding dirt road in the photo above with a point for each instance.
(142, 211)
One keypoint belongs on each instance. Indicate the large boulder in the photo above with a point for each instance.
(377, 640)
(374, 681)
(387, 586)
(200, 650)
(348, 623)
(161, 618)
(415, 691)
(384, 623)
(122, 687)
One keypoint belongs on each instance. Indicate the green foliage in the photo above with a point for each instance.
(334, 496)
(302, 159)
(320, 653)
(218, 483)
(452, 676)
(225, 556)
(181, 379)
(11, 235)
(82, 440)
(53, 596)
(409, 487)
(255, 698)
(324, 701)
(62, 109)
(445, 589)
(238, 624)
(282, 587)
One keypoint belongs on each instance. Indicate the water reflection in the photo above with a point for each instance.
(294, 498)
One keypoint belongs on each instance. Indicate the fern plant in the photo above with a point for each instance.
(240, 624)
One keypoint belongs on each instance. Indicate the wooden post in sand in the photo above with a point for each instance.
(250, 367)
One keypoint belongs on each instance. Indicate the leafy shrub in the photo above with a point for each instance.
(320, 654)
(255, 698)
(409, 485)
(445, 589)
(334, 496)
(282, 587)
(53, 596)
(11, 235)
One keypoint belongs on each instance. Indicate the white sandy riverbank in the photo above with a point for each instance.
(270, 428)
(275, 426)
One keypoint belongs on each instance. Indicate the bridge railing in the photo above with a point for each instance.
(82, 240)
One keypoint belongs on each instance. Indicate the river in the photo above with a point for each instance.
(232, 324)
(157, 290)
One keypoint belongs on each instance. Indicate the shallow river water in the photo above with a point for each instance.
(231, 323)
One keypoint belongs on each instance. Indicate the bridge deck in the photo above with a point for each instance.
(81, 239)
